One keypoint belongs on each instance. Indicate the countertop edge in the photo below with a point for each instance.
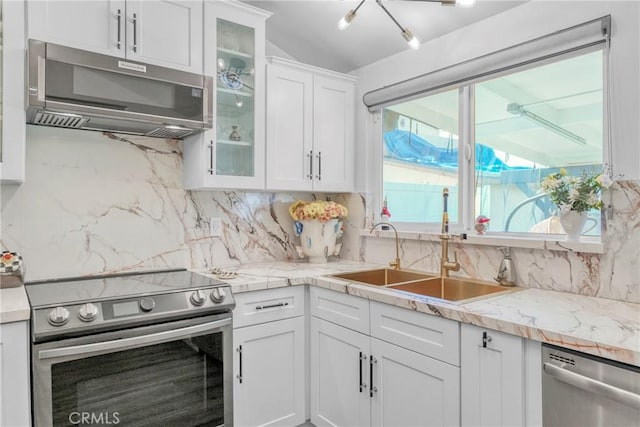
(474, 313)
(14, 305)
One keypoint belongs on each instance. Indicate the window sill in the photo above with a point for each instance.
(586, 244)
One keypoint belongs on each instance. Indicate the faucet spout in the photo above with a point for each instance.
(445, 264)
(395, 264)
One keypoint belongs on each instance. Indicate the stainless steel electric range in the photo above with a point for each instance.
(145, 349)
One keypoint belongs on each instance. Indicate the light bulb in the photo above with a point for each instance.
(346, 19)
(412, 40)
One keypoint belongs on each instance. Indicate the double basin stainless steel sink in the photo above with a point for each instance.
(444, 288)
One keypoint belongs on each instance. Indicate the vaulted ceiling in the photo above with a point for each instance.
(307, 29)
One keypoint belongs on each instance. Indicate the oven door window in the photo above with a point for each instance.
(173, 383)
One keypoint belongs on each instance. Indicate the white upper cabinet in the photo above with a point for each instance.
(159, 32)
(310, 128)
(333, 133)
(231, 155)
(12, 110)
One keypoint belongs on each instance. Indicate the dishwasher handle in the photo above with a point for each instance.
(593, 386)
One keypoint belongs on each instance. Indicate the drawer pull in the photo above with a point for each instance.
(280, 304)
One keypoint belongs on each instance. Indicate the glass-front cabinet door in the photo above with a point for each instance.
(235, 99)
(231, 155)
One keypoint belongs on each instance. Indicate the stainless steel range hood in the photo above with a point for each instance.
(76, 89)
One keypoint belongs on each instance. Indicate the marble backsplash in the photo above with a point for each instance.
(96, 203)
(614, 274)
(99, 203)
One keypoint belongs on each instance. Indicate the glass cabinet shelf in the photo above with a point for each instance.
(227, 54)
(238, 143)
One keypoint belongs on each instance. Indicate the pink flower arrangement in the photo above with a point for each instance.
(318, 209)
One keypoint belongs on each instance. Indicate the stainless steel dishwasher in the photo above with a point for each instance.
(584, 390)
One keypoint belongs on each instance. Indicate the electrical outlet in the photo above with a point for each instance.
(215, 227)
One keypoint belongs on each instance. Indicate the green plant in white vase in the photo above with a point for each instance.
(575, 196)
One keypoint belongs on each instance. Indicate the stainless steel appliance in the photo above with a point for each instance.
(584, 390)
(77, 89)
(146, 349)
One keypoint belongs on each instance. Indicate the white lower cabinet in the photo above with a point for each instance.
(340, 394)
(412, 389)
(15, 406)
(269, 358)
(362, 380)
(374, 364)
(493, 372)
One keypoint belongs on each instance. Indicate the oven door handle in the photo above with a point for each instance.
(133, 342)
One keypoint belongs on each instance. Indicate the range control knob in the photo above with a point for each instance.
(58, 316)
(88, 312)
(198, 298)
(217, 295)
(147, 304)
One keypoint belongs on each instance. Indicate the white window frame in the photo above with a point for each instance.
(466, 124)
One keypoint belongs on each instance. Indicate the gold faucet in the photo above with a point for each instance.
(395, 264)
(445, 264)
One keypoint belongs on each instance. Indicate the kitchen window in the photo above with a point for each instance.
(492, 140)
(420, 157)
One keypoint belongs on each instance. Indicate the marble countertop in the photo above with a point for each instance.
(597, 326)
(14, 305)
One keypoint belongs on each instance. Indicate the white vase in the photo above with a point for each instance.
(318, 239)
(573, 222)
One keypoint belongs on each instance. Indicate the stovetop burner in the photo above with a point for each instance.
(81, 306)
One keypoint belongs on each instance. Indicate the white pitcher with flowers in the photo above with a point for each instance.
(575, 196)
(319, 225)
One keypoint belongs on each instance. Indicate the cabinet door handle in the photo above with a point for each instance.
(319, 165)
(135, 36)
(239, 350)
(373, 389)
(211, 157)
(360, 359)
(485, 339)
(310, 156)
(119, 18)
(279, 304)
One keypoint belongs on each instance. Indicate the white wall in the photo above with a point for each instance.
(517, 25)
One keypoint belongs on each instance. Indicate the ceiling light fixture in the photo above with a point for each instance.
(411, 39)
(463, 3)
(346, 19)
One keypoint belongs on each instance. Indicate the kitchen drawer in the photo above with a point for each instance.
(342, 309)
(426, 334)
(268, 305)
